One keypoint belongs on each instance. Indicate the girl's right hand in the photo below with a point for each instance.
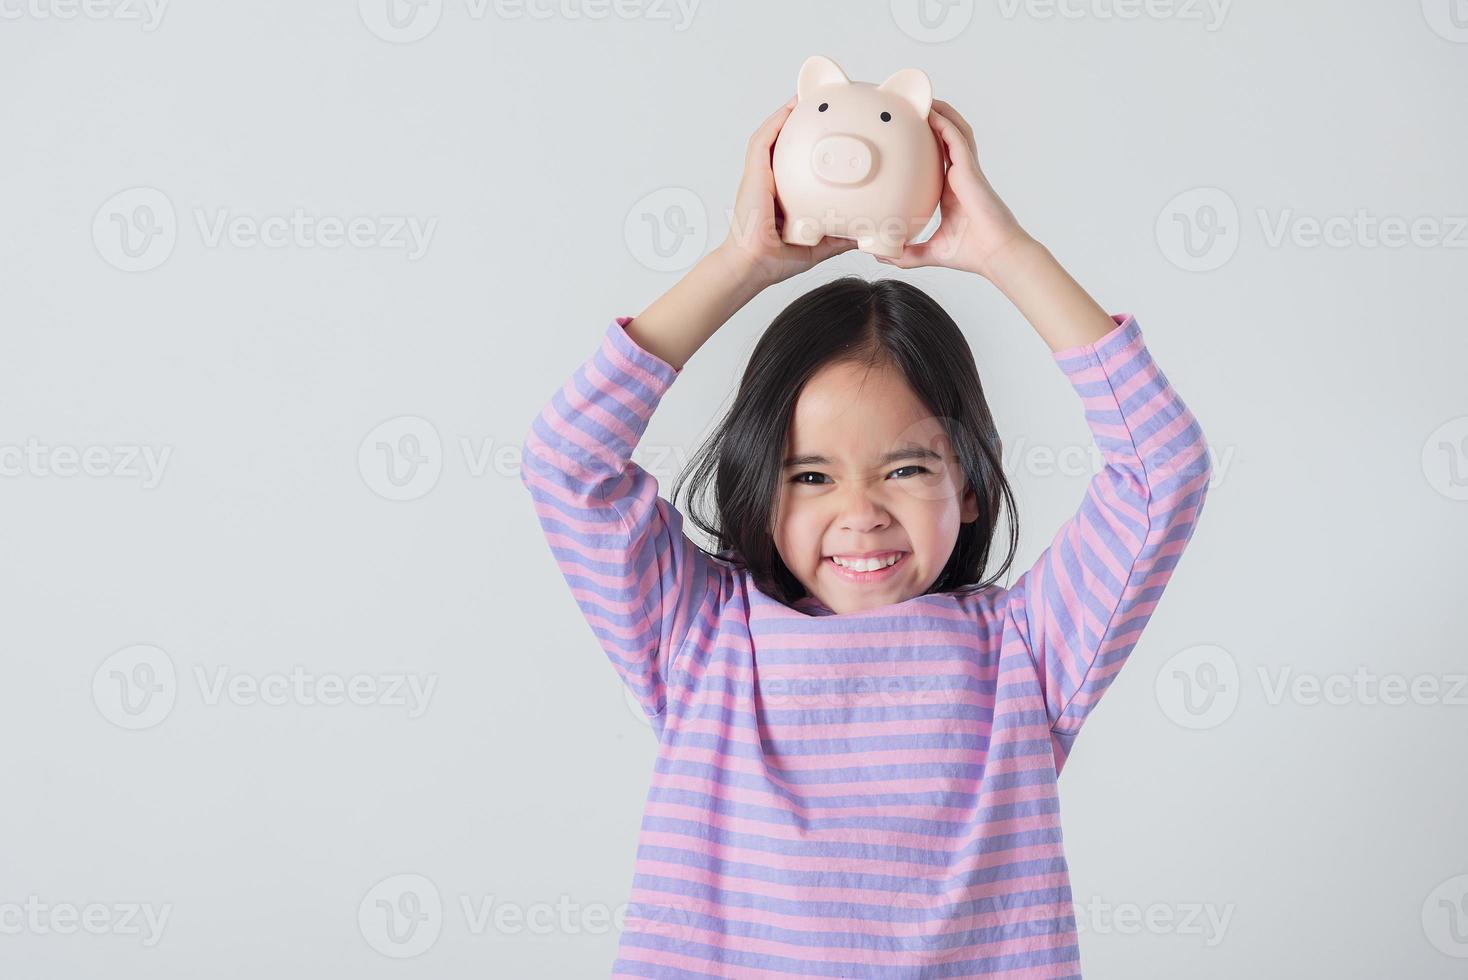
(974, 225)
(753, 246)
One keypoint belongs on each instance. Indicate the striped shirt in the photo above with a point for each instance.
(864, 794)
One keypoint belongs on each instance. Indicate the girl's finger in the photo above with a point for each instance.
(960, 154)
(828, 247)
(953, 114)
(764, 137)
(912, 257)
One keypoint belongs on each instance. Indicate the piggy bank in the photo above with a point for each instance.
(857, 160)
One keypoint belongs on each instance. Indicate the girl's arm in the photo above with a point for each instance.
(640, 582)
(749, 259)
(1080, 608)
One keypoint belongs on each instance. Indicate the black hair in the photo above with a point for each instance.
(850, 319)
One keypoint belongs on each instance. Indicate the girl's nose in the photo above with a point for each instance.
(859, 512)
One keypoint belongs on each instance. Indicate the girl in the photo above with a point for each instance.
(859, 735)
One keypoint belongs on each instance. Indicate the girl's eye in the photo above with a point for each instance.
(798, 478)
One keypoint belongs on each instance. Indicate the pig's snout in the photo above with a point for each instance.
(843, 159)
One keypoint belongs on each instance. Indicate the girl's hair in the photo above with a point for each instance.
(885, 322)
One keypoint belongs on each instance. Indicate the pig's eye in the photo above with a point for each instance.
(886, 117)
(823, 107)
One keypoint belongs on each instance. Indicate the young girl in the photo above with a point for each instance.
(859, 735)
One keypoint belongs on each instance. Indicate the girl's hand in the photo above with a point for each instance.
(753, 247)
(974, 224)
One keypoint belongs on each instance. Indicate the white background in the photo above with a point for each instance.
(1172, 155)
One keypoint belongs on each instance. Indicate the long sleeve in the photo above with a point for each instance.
(620, 546)
(1081, 607)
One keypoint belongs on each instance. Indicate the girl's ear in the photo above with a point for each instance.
(968, 508)
(818, 70)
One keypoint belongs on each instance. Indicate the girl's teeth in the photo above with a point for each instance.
(866, 564)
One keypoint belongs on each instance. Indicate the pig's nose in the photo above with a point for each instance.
(843, 159)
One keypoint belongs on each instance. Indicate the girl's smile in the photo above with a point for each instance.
(858, 574)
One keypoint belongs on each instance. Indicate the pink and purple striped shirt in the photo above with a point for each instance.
(869, 794)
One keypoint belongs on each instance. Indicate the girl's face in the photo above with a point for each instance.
(868, 471)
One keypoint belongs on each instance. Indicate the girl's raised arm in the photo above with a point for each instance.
(1081, 607)
(640, 582)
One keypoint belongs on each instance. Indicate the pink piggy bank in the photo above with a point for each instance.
(857, 160)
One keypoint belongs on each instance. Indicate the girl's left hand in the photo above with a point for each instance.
(974, 224)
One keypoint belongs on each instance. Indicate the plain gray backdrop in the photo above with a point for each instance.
(291, 684)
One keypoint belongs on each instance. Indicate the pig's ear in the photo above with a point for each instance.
(818, 70)
(912, 85)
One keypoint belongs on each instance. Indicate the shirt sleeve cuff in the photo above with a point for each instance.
(1127, 331)
(619, 341)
